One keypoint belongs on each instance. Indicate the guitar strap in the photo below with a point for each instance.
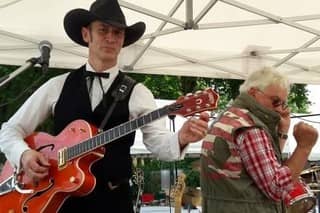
(118, 94)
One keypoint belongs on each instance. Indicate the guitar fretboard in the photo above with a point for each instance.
(118, 131)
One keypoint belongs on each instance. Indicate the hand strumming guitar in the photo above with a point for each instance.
(34, 164)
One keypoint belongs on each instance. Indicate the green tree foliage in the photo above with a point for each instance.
(298, 99)
(14, 93)
(171, 87)
(165, 87)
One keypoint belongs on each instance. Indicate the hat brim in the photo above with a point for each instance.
(78, 18)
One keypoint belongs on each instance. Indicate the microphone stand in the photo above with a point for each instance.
(173, 129)
(29, 63)
(175, 174)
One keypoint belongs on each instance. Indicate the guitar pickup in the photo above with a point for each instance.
(62, 157)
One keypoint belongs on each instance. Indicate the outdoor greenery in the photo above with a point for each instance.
(15, 92)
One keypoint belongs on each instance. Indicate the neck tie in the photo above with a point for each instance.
(95, 92)
(96, 74)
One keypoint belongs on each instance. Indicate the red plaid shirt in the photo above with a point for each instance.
(259, 159)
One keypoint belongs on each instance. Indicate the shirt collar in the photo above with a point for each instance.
(113, 71)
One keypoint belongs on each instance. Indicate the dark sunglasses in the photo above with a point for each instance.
(276, 101)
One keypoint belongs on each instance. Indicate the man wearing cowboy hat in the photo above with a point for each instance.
(82, 94)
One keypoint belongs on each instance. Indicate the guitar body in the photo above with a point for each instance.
(72, 179)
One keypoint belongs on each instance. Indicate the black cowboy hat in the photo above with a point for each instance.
(107, 11)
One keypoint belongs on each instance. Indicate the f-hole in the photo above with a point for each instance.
(45, 146)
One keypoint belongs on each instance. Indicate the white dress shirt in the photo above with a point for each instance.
(40, 105)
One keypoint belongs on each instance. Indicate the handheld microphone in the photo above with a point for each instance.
(45, 48)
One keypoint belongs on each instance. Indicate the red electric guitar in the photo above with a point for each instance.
(72, 153)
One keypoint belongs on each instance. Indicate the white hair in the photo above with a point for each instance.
(263, 78)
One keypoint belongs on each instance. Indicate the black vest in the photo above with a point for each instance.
(74, 103)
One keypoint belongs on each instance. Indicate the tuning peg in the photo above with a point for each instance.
(189, 94)
(134, 162)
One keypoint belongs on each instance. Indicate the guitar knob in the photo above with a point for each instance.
(198, 92)
(73, 179)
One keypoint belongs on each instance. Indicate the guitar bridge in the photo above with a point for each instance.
(62, 157)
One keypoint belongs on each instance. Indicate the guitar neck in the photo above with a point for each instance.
(179, 190)
(138, 179)
(177, 208)
(115, 133)
(187, 105)
(137, 206)
(177, 202)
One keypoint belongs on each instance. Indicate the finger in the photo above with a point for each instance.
(192, 119)
(200, 124)
(43, 161)
(38, 168)
(204, 116)
(35, 176)
(40, 173)
(199, 131)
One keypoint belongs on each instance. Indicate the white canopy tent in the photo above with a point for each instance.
(208, 38)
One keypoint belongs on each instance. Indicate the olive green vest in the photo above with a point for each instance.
(225, 184)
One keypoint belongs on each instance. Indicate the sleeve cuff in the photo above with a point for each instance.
(15, 157)
(180, 152)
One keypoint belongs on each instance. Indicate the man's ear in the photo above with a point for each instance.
(252, 91)
(85, 34)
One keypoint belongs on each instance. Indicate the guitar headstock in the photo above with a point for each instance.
(138, 180)
(194, 103)
(138, 177)
(178, 190)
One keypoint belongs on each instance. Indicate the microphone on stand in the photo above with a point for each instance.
(45, 48)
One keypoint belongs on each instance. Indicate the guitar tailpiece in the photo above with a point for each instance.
(17, 185)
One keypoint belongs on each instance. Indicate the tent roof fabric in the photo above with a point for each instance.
(207, 38)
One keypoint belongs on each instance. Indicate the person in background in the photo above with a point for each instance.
(86, 93)
(241, 164)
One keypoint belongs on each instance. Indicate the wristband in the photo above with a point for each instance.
(282, 135)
